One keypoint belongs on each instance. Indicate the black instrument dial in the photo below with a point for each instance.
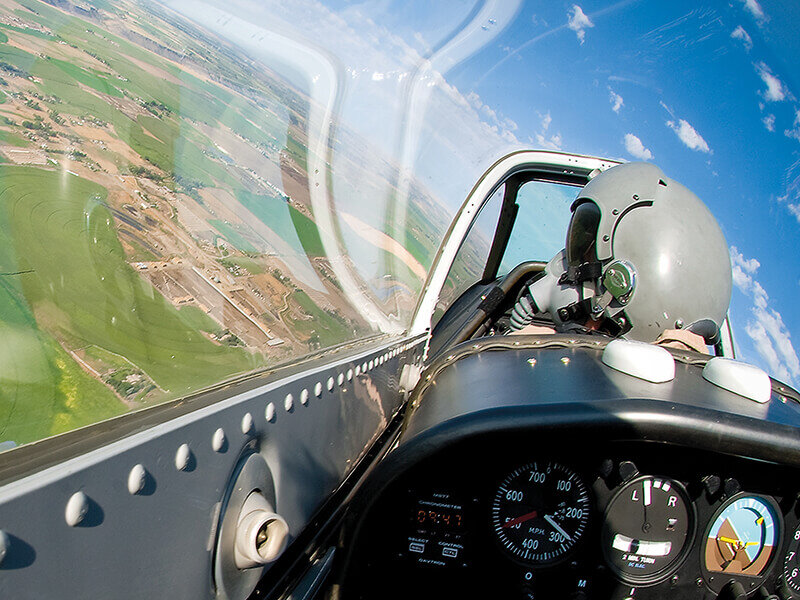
(791, 565)
(647, 530)
(540, 511)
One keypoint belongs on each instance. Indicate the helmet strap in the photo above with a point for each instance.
(587, 271)
(616, 325)
(577, 312)
(598, 288)
(600, 303)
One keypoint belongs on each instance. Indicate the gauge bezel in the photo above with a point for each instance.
(691, 534)
(783, 578)
(586, 492)
(715, 580)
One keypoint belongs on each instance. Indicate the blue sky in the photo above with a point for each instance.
(707, 91)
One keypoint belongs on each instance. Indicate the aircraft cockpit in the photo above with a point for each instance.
(329, 300)
(570, 465)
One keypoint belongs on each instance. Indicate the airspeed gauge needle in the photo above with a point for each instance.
(557, 527)
(522, 519)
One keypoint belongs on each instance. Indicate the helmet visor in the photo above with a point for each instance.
(582, 234)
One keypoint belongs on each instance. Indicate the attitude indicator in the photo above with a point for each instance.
(742, 537)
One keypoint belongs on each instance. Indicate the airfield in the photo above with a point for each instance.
(156, 234)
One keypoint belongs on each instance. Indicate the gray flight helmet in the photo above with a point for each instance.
(662, 247)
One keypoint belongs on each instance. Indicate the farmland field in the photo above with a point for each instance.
(157, 233)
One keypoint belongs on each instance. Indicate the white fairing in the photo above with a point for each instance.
(640, 360)
(739, 378)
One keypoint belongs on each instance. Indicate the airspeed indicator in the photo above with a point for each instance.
(539, 512)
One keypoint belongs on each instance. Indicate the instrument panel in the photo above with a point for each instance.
(618, 520)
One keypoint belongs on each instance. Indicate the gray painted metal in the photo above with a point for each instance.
(251, 473)
(159, 542)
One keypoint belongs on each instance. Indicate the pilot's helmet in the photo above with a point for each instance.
(645, 254)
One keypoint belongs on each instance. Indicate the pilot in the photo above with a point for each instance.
(644, 259)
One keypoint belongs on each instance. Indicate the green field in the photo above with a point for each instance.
(43, 391)
(286, 221)
(168, 141)
(85, 294)
(12, 139)
(232, 233)
(298, 152)
(67, 291)
(89, 78)
(37, 34)
(244, 262)
(424, 248)
(196, 319)
(173, 147)
(324, 328)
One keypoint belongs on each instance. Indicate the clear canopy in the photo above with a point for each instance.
(192, 190)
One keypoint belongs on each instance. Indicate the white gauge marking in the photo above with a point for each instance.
(641, 547)
(666, 486)
(557, 527)
(647, 485)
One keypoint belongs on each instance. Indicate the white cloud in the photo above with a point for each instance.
(422, 44)
(689, 136)
(579, 22)
(537, 20)
(754, 8)
(549, 143)
(776, 91)
(508, 136)
(766, 328)
(616, 101)
(774, 343)
(765, 348)
(791, 196)
(794, 133)
(748, 265)
(635, 147)
(545, 140)
(740, 34)
(769, 122)
(741, 279)
(503, 127)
